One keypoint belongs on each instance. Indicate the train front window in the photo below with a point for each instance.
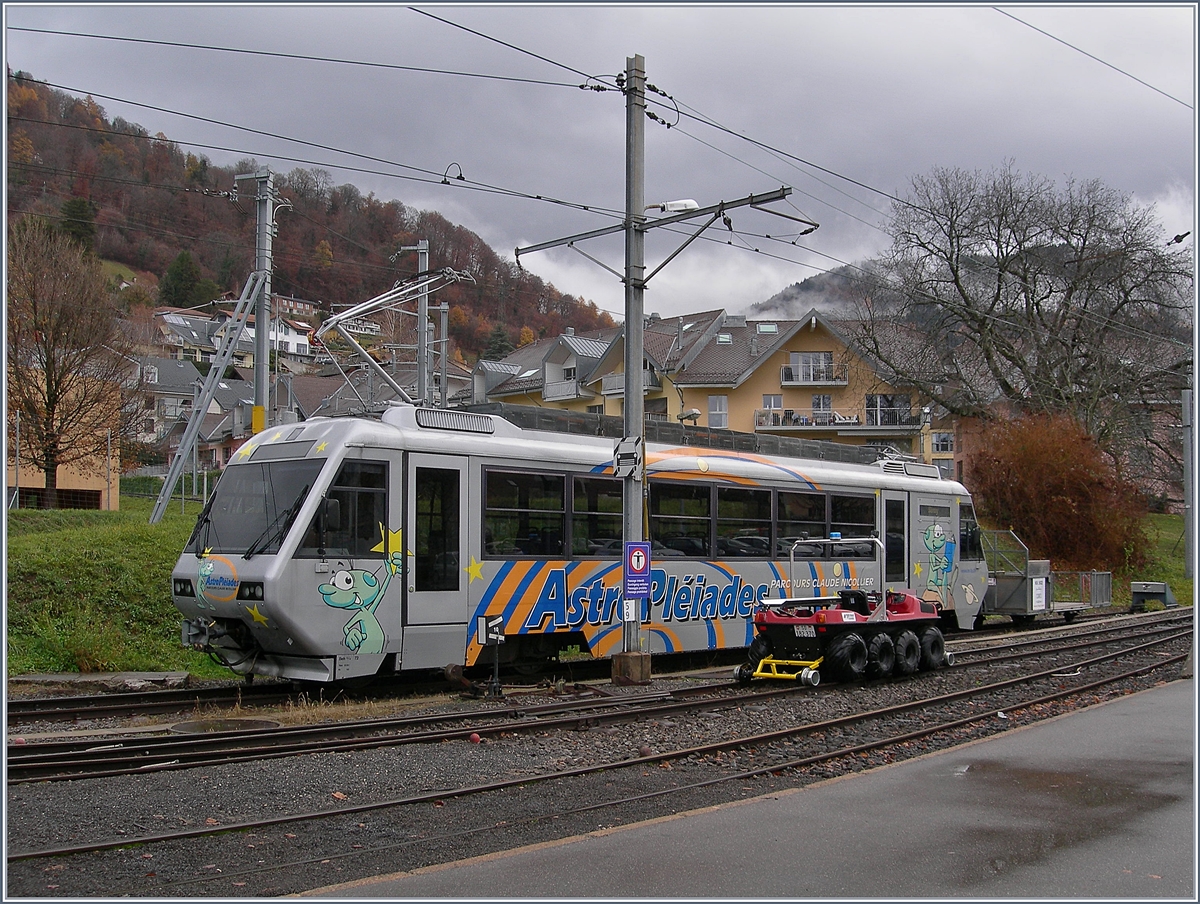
(253, 506)
(970, 546)
(356, 529)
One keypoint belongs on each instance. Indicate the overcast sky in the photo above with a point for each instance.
(871, 95)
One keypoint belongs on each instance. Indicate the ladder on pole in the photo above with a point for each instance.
(233, 332)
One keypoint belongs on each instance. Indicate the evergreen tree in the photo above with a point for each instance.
(499, 344)
(176, 287)
(79, 222)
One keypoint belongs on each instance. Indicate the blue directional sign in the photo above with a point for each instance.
(637, 569)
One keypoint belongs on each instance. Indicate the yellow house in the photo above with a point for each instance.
(780, 377)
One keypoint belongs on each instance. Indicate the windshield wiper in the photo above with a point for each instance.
(203, 522)
(283, 520)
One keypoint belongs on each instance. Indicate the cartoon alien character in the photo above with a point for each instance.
(361, 591)
(205, 569)
(941, 562)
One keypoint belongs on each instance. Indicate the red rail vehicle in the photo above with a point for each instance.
(850, 636)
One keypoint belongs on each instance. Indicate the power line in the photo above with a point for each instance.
(295, 56)
(434, 177)
(1093, 57)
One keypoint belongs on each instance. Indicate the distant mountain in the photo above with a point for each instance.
(148, 200)
(832, 292)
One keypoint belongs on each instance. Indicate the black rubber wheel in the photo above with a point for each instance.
(933, 649)
(908, 653)
(744, 673)
(847, 657)
(881, 656)
(760, 649)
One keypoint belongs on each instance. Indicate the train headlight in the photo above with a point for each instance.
(182, 587)
(250, 590)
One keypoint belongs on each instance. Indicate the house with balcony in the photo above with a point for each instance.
(782, 377)
(554, 371)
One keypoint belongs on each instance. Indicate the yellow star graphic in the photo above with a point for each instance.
(917, 569)
(390, 541)
(474, 570)
(321, 447)
(245, 450)
(256, 615)
(207, 552)
(277, 435)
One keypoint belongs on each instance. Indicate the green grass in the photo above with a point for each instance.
(1165, 533)
(90, 591)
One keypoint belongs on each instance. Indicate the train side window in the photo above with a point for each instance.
(970, 546)
(801, 515)
(852, 516)
(524, 513)
(360, 490)
(596, 527)
(743, 522)
(681, 516)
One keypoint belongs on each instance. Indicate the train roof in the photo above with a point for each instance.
(457, 431)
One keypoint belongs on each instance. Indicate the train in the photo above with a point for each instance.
(339, 549)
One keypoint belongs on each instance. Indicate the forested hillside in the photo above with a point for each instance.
(141, 201)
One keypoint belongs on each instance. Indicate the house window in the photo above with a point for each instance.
(724, 338)
(718, 411)
(150, 374)
(812, 367)
(943, 442)
(888, 410)
(822, 408)
(595, 409)
(764, 328)
(569, 373)
(773, 402)
(148, 404)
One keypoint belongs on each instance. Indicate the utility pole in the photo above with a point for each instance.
(1189, 502)
(265, 200)
(422, 249)
(632, 499)
(632, 665)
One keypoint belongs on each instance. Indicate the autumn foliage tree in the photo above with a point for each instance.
(1046, 479)
(66, 361)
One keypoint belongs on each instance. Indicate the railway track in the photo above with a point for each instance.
(219, 741)
(924, 708)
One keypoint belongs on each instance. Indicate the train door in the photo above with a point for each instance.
(895, 539)
(435, 543)
(934, 549)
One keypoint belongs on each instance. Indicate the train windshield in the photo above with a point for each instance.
(253, 506)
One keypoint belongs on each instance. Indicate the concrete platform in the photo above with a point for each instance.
(1099, 803)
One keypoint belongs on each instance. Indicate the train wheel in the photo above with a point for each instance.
(744, 673)
(933, 649)
(847, 657)
(881, 655)
(908, 653)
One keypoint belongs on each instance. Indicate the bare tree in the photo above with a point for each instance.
(67, 363)
(1005, 288)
